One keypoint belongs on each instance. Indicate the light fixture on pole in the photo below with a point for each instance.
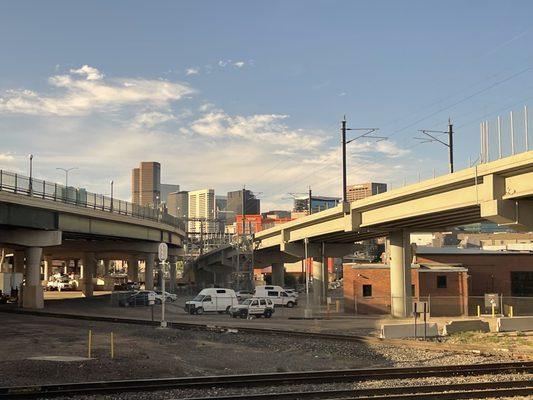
(344, 142)
(66, 171)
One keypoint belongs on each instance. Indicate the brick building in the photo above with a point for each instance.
(371, 285)
(454, 280)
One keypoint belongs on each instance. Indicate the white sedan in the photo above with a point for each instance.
(168, 296)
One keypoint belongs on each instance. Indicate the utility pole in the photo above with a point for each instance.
(243, 212)
(344, 142)
(449, 145)
(450, 142)
(66, 171)
(310, 208)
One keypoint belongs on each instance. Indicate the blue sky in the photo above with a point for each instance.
(231, 93)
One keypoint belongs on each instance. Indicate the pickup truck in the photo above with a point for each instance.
(257, 307)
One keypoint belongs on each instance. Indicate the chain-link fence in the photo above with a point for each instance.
(444, 306)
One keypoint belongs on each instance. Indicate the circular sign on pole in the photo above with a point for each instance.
(162, 252)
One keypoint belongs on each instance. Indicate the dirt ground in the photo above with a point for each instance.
(144, 352)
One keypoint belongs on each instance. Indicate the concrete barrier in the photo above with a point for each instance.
(465, 325)
(399, 331)
(511, 324)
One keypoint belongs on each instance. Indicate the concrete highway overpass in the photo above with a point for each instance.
(500, 191)
(218, 267)
(42, 220)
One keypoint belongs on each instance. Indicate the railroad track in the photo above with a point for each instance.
(476, 390)
(272, 379)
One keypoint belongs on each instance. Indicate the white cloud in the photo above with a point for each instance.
(140, 119)
(239, 64)
(192, 71)
(85, 90)
(6, 157)
(151, 119)
(91, 73)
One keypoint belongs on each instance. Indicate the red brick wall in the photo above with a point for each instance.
(489, 273)
(379, 278)
(449, 301)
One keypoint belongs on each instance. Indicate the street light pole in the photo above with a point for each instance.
(66, 171)
(30, 183)
(111, 195)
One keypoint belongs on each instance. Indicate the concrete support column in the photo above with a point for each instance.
(278, 274)
(109, 266)
(133, 269)
(18, 260)
(89, 270)
(47, 267)
(400, 274)
(33, 290)
(318, 281)
(172, 273)
(149, 262)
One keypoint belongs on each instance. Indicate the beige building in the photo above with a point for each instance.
(202, 211)
(364, 190)
(146, 184)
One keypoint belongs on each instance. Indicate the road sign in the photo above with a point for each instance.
(162, 252)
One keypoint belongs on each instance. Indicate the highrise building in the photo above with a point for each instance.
(318, 203)
(202, 211)
(146, 184)
(166, 189)
(178, 204)
(363, 190)
(252, 205)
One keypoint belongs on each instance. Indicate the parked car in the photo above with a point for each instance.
(244, 294)
(277, 294)
(127, 286)
(61, 282)
(212, 299)
(139, 298)
(253, 306)
(292, 292)
(168, 296)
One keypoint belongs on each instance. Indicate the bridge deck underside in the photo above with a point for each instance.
(432, 222)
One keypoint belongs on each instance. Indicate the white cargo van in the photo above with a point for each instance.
(212, 299)
(277, 294)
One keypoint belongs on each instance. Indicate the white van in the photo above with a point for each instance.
(212, 299)
(277, 294)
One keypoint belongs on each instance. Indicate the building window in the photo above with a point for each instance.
(522, 283)
(442, 282)
(367, 290)
(413, 290)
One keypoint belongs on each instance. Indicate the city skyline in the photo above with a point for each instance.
(265, 115)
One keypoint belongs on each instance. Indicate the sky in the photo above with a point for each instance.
(233, 93)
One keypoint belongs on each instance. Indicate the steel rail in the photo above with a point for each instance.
(290, 378)
(473, 390)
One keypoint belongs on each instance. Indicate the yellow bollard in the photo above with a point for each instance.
(493, 311)
(112, 345)
(511, 311)
(337, 305)
(479, 311)
(89, 344)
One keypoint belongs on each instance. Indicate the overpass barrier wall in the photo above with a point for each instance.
(19, 184)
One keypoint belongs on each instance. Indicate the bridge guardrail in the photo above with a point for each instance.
(20, 184)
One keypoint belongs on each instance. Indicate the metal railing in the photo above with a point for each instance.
(37, 188)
